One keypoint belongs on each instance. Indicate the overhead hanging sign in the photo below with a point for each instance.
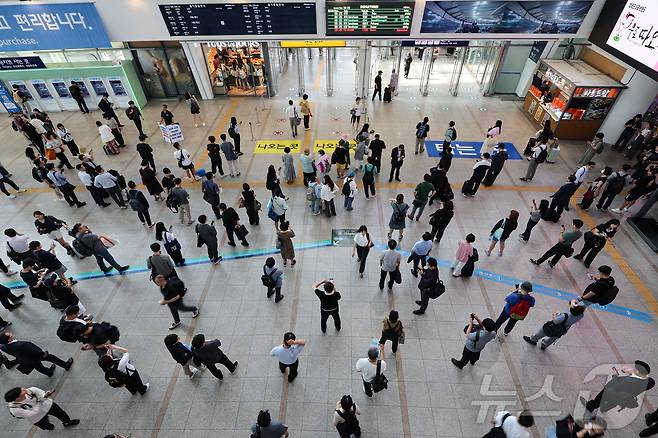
(21, 63)
(434, 43)
(51, 26)
(312, 44)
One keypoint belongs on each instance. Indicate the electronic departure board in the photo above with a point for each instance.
(207, 19)
(369, 17)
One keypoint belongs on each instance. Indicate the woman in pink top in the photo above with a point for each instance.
(490, 139)
(464, 251)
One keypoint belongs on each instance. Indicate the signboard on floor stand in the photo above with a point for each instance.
(172, 133)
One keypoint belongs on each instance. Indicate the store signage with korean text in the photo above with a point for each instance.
(277, 146)
(434, 43)
(21, 63)
(596, 92)
(51, 27)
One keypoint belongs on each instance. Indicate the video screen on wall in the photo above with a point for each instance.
(369, 18)
(539, 17)
(629, 31)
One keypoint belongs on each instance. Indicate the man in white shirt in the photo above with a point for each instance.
(88, 181)
(108, 182)
(514, 427)
(18, 245)
(288, 354)
(38, 125)
(581, 173)
(56, 175)
(293, 115)
(367, 366)
(184, 160)
(35, 405)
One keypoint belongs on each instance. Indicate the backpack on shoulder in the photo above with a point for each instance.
(267, 279)
(346, 189)
(543, 154)
(115, 378)
(350, 424)
(380, 382)
(555, 330)
(81, 248)
(135, 204)
(497, 431)
(520, 310)
(172, 203)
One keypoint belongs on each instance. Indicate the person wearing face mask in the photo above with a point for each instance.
(595, 239)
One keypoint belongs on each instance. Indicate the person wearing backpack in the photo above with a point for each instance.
(422, 130)
(345, 420)
(557, 327)
(87, 244)
(537, 157)
(372, 370)
(120, 372)
(517, 306)
(368, 178)
(182, 354)
(173, 290)
(449, 136)
(595, 240)
(602, 291)
(138, 203)
(398, 216)
(71, 324)
(506, 425)
(209, 354)
(430, 286)
(272, 278)
(477, 337)
(36, 406)
(349, 191)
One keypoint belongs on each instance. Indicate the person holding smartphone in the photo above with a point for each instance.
(36, 405)
(563, 247)
(477, 337)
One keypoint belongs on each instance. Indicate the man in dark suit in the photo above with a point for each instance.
(107, 108)
(29, 356)
(497, 162)
(76, 94)
(209, 354)
(623, 389)
(560, 199)
(231, 221)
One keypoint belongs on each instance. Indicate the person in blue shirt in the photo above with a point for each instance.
(517, 305)
(420, 251)
(265, 427)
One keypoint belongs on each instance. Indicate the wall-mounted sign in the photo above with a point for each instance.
(325, 43)
(596, 92)
(61, 88)
(536, 50)
(51, 26)
(21, 63)
(117, 86)
(42, 89)
(7, 101)
(369, 17)
(98, 86)
(636, 33)
(434, 43)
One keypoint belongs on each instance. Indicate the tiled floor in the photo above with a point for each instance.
(427, 396)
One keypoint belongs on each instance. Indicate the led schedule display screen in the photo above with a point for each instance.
(369, 17)
(239, 19)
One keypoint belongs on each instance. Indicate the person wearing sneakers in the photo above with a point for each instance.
(30, 356)
(35, 405)
(517, 306)
(208, 353)
(4, 179)
(288, 354)
(120, 372)
(558, 326)
(464, 252)
(564, 245)
(389, 261)
(184, 160)
(181, 353)
(419, 252)
(231, 156)
(183, 199)
(94, 244)
(173, 290)
(478, 334)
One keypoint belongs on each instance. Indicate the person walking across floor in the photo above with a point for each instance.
(207, 235)
(329, 298)
(371, 369)
(78, 96)
(120, 372)
(54, 147)
(170, 243)
(368, 178)
(560, 199)
(422, 193)
(305, 109)
(139, 204)
(517, 306)
(107, 108)
(67, 138)
(327, 194)
(397, 160)
(490, 138)
(293, 117)
(429, 285)
(389, 262)
(538, 155)
(398, 219)
(250, 204)
(266, 427)
(498, 159)
(56, 175)
(285, 235)
(36, 406)
(480, 169)
(376, 147)
(89, 244)
(209, 354)
(362, 245)
(288, 354)
(195, 109)
(479, 332)
(357, 111)
(501, 232)
(183, 200)
(378, 86)
(419, 253)
(602, 291)
(345, 420)
(440, 219)
(145, 151)
(231, 222)
(564, 246)
(215, 156)
(449, 136)
(272, 278)
(464, 252)
(173, 290)
(392, 330)
(30, 357)
(160, 264)
(349, 191)
(133, 113)
(184, 161)
(536, 213)
(422, 131)
(557, 327)
(182, 354)
(211, 191)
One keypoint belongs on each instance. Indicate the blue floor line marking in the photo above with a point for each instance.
(484, 274)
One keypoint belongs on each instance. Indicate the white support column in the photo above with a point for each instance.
(363, 69)
(196, 60)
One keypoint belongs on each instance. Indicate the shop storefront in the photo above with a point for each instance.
(236, 68)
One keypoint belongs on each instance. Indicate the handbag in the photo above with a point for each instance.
(401, 337)
(50, 154)
(397, 276)
(417, 203)
(499, 232)
(171, 246)
(241, 232)
(380, 382)
(267, 279)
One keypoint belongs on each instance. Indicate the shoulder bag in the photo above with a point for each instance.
(380, 382)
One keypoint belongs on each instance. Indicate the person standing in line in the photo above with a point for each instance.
(276, 209)
(170, 243)
(274, 279)
(115, 128)
(173, 290)
(231, 222)
(305, 109)
(368, 178)
(308, 167)
(95, 245)
(139, 204)
(594, 147)
(182, 354)
(398, 216)
(440, 219)
(36, 406)
(30, 357)
(422, 130)
(449, 136)
(67, 138)
(55, 144)
(18, 245)
(378, 86)
(211, 191)
(376, 148)
(480, 169)
(490, 138)
(195, 109)
(215, 156)
(234, 133)
(362, 245)
(340, 157)
(602, 291)
(349, 191)
(369, 367)
(595, 239)
(558, 326)
(48, 260)
(643, 185)
(289, 173)
(631, 127)
(328, 193)
(293, 117)
(314, 196)
(209, 354)
(207, 235)
(56, 175)
(389, 262)
(536, 213)
(231, 156)
(251, 205)
(184, 160)
(497, 163)
(397, 159)
(105, 131)
(329, 298)
(76, 94)
(345, 420)
(145, 151)
(133, 113)
(419, 252)
(391, 330)
(273, 179)
(183, 199)
(517, 306)
(564, 245)
(422, 193)
(166, 116)
(429, 285)
(538, 155)
(160, 264)
(120, 372)
(581, 173)
(107, 108)
(287, 249)
(477, 337)
(50, 226)
(21, 99)
(266, 427)
(322, 164)
(595, 188)
(108, 182)
(464, 252)
(356, 111)
(501, 232)
(288, 354)
(150, 181)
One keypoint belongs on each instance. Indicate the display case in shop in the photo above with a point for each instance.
(573, 95)
(236, 67)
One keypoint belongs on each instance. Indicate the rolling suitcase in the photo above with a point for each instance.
(467, 187)
(387, 94)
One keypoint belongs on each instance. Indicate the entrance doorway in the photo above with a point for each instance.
(163, 69)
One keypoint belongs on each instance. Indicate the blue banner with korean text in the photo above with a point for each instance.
(51, 27)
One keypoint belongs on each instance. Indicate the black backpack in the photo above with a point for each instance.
(616, 184)
(67, 331)
(346, 189)
(81, 248)
(267, 280)
(111, 332)
(115, 378)
(498, 431)
(135, 204)
(399, 216)
(172, 202)
(368, 175)
(556, 330)
(36, 175)
(179, 285)
(349, 425)
(543, 154)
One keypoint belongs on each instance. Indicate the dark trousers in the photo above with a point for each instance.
(556, 251)
(55, 411)
(293, 369)
(236, 143)
(651, 419)
(213, 253)
(63, 159)
(73, 147)
(596, 403)
(557, 207)
(389, 335)
(115, 193)
(528, 229)
(272, 291)
(144, 216)
(177, 257)
(6, 297)
(377, 162)
(103, 255)
(369, 187)
(395, 169)
(504, 316)
(424, 300)
(68, 191)
(134, 384)
(378, 91)
(422, 259)
(82, 105)
(150, 160)
(437, 232)
(605, 200)
(224, 361)
(367, 386)
(362, 254)
(474, 184)
(179, 306)
(329, 208)
(623, 139)
(382, 277)
(216, 164)
(3, 266)
(215, 209)
(307, 119)
(10, 183)
(97, 195)
(138, 125)
(468, 356)
(52, 359)
(324, 315)
(589, 251)
(230, 233)
(252, 213)
(308, 177)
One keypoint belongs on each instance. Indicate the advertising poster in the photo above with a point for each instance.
(117, 86)
(7, 101)
(98, 86)
(22, 87)
(60, 87)
(80, 83)
(42, 89)
(636, 32)
(539, 17)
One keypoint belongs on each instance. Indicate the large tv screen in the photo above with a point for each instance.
(538, 17)
(629, 31)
